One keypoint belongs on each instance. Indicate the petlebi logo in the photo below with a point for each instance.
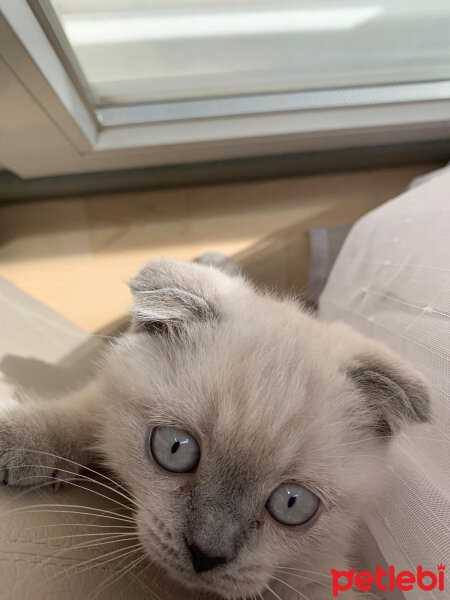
(365, 581)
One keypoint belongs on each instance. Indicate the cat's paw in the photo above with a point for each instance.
(33, 450)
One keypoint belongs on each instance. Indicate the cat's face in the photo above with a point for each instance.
(249, 434)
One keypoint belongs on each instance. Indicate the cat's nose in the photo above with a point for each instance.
(204, 562)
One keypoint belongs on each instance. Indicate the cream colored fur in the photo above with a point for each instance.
(270, 393)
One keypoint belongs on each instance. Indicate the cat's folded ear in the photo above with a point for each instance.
(392, 394)
(170, 293)
(389, 393)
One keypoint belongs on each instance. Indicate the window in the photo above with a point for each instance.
(179, 80)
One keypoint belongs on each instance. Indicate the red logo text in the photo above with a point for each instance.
(388, 580)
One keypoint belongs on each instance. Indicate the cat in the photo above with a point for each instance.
(252, 435)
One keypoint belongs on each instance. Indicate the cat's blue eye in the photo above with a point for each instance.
(292, 504)
(174, 449)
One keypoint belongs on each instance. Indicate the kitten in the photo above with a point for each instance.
(251, 434)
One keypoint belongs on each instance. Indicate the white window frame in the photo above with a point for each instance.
(47, 127)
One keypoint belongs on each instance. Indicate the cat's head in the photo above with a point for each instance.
(251, 434)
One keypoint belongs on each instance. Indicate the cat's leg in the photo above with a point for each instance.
(45, 439)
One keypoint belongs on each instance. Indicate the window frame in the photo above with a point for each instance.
(66, 135)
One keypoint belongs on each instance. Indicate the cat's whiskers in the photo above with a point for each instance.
(102, 538)
(302, 570)
(133, 548)
(125, 552)
(35, 488)
(304, 578)
(269, 589)
(127, 494)
(143, 585)
(72, 548)
(291, 587)
(84, 488)
(115, 577)
(78, 476)
(78, 524)
(70, 482)
(93, 544)
(104, 535)
(55, 509)
(83, 525)
(116, 513)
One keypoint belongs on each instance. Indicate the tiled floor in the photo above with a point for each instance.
(75, 255)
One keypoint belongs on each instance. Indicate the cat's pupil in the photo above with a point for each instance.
(175, 447)
(292, 500)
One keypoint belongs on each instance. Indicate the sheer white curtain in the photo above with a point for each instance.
(392, 282)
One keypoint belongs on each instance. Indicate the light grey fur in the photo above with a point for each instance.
(270, 393)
